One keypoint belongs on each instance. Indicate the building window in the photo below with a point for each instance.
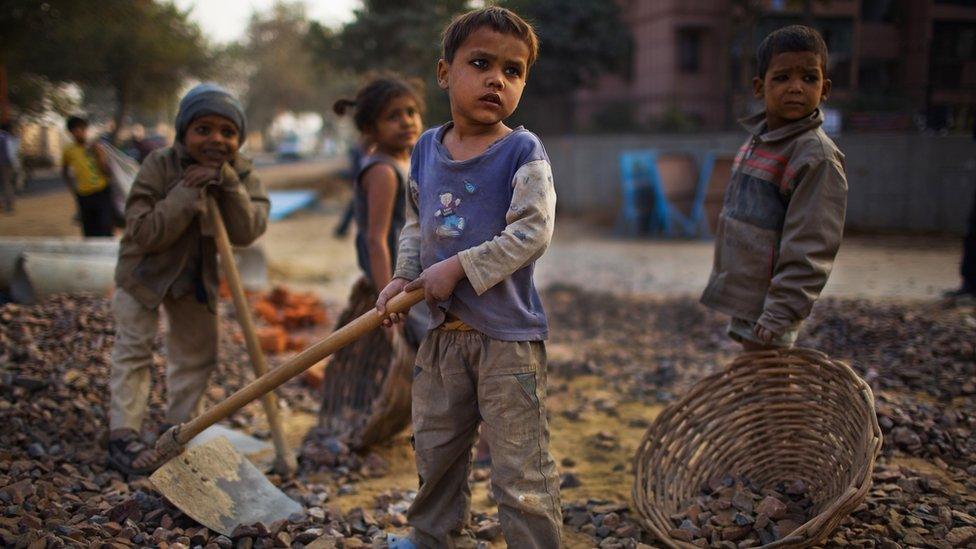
(953, 54)
(689, 50)
(877, 75)
(878, 11)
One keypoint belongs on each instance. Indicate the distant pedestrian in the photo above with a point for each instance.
(85, 170)
(9, 165)
(968, 267)
(357, 152)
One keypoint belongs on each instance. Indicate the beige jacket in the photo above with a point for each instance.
(165, 229)
(781, 224)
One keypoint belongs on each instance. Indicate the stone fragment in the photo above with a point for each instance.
(961, 536)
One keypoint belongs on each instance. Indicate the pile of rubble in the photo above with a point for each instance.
(736, 510)
(281, 314)
(55, 488)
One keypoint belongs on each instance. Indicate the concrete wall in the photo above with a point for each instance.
(909, 183)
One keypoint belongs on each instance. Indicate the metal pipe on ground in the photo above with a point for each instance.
(38, 275)
(11, 249)
(66, 265)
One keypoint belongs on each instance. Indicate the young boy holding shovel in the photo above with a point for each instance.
(168, 257)
(481, 206)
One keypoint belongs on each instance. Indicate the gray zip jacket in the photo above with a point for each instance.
(781, 224)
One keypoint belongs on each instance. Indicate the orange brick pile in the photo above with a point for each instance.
(283, 312)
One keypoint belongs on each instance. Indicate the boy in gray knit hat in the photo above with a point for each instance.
(167, 258)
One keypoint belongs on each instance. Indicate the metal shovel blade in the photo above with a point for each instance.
(221, 489)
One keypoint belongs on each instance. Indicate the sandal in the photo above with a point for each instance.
(128, 454)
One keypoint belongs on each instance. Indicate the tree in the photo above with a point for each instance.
(392, 35)
(579, 40)
(400, 35)
(279, 70)
(279, 74)
(140, 50)
(20, 22)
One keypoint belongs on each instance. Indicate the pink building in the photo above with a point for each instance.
(693, 61)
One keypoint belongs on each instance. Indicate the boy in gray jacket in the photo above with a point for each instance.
(783, 218)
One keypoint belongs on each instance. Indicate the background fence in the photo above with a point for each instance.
(913, 183)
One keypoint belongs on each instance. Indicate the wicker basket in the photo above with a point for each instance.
(769, 416)
(366, 390)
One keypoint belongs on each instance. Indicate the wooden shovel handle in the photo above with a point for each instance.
(285, 462)
(338, 339)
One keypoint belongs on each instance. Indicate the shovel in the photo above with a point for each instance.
(285, 463)
(215, 485)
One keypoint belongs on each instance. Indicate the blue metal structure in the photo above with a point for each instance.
(644, 207)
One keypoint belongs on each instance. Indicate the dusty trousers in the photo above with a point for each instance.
(464, 378)
(191, 348)
(968, 267)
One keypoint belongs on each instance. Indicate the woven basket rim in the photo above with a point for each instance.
(817, 527)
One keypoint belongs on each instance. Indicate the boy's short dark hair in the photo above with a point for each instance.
(496, 18)
(76, 122)
(794, 38)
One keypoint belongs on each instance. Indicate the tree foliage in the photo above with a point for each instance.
(30, 93)
(140, 50)
(401, 35)
(279, 71)
(579, 40)
(391, 35)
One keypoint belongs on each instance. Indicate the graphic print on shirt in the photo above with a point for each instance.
(451, 224)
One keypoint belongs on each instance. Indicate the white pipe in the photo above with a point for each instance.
(39, 275)
(87, 265)
(11, 249)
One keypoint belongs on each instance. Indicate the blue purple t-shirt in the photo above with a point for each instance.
(462, 205)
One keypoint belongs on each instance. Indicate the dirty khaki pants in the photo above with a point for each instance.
(191, 348)
(463, 378)
(7, 187)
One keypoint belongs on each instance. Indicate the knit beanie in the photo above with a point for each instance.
(206, 99)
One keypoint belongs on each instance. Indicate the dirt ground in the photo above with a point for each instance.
(303, 251)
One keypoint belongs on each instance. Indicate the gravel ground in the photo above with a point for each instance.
(614, 362)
